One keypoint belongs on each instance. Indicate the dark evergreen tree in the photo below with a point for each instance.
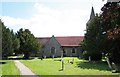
(92, 41)
(16, 43)
(6, 42)
(28, 43)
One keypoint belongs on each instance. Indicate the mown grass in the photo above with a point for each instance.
(9, 68)
(79, 67)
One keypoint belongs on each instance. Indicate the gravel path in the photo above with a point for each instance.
(25, 71)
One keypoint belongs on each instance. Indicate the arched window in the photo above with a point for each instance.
(73, 50)
(52, 50)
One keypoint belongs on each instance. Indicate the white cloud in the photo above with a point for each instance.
(50, 21)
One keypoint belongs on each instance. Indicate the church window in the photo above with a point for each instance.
(53, 50)
(73, 50)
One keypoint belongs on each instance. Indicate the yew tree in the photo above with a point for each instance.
(93, 40)
(10, 42)
(28, 43)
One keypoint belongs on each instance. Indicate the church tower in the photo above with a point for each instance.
(92, 15)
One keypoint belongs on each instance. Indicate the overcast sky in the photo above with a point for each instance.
(49, 17)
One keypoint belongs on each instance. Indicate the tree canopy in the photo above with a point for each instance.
(110, 22)
(92, 40)
(28, 43)
(10, 42)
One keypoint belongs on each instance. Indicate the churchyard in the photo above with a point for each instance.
(53, 67)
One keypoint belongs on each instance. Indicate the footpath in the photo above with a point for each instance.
(25, 71)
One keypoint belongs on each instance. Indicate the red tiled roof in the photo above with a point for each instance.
(43, 40)
(70, 40)
(64, 41)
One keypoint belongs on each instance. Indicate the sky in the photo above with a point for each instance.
(45, 18)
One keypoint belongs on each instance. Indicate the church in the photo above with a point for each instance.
(63, 45)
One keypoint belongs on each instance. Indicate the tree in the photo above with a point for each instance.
(16, 43)
(92, 40)
(6, 42)
(111, 27)
(10, 43)
(28, 43)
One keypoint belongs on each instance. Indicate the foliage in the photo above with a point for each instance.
(6, 41)
(28, 43)
(111, 27)
(92, 42)
(10, 43)
(16, 42)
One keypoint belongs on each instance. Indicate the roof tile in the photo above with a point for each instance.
(64, 40)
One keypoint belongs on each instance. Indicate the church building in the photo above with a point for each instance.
(61, 46)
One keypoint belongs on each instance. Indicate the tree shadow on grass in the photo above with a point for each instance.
(100, 65)
(18, 59)
(3, 62)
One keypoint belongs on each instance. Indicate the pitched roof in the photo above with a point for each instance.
(69, 40)
(43, 40)
(63, 40)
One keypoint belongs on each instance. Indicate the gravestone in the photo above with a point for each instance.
(45, 57)
(89, 58)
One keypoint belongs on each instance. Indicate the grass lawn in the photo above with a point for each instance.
(79, 67)
(9, 68)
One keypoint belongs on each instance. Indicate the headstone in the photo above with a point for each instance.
(114, 66)
(62, 65)
(45, 57)
(71, 61)
(53, 56)
(108, 61)
(89, 58)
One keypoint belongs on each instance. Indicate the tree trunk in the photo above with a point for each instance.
(26, 55)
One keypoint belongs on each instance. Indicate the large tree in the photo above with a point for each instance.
(28, 43)
(16, 43)
(92, 42)
(10, 42)
(6, 42)
(111, 27)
